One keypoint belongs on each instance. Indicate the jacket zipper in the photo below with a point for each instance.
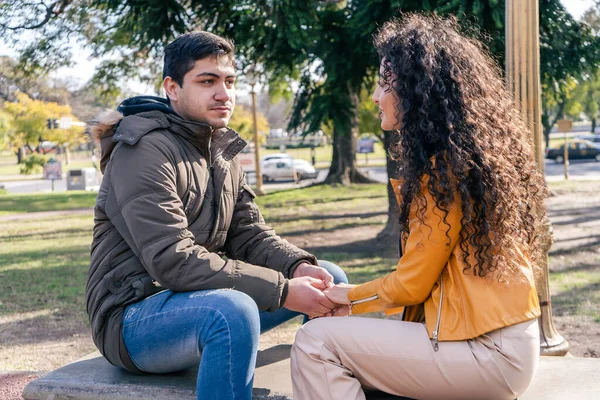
(355, 302)
(436, 346)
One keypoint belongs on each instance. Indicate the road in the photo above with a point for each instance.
(578, 170)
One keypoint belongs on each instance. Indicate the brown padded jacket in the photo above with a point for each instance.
(174, 211)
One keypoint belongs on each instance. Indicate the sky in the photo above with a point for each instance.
(577, 7)
(83, 69)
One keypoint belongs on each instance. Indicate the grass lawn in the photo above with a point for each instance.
(58, 201)
(44, 264)
(44, 261)
(53, 250)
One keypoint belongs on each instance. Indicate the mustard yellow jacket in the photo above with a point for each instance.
(430, 270)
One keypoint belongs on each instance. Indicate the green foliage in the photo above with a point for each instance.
(569, 51)
(33, 163)
(322, 47)
(587, 95)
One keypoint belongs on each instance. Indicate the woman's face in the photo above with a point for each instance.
(385, 97)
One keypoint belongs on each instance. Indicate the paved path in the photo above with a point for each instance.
(13, 383)
(94, 378)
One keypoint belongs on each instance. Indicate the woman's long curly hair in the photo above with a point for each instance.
(461, 129)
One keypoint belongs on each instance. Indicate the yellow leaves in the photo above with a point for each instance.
(29, 122)
(242, 122)
(5, 129)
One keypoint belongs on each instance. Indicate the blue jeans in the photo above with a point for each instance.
(217, 330)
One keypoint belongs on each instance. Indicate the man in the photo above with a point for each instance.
(176, 228)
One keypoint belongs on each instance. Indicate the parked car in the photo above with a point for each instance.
(589, 138)
(282, 166)
(275, 156)
(578, 150)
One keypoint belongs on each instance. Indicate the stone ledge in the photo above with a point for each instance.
(93, 378)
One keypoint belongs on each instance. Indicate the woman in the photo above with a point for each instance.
(470, 198)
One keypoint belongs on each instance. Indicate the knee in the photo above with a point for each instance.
(311, 340)
(310, 332)
(238, 310)
(339, 276)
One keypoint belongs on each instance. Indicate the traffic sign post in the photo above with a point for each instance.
(53, 171)
(565, 126)
(365, 146)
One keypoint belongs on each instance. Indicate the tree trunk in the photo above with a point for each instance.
(594, 125)
(345, 134)
(20, 155)
(547, 130)
(549, 123)
(67, 155)
(389, 235)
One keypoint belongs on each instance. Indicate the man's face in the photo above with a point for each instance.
(207, 94)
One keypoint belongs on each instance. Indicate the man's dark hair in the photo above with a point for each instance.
(183, 52)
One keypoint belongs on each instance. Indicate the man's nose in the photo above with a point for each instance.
(223, 94)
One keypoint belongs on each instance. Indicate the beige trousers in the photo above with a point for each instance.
(335, 358)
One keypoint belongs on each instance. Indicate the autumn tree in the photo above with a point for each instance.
(29, 125)
(243, 122)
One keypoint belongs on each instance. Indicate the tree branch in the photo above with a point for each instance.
(49, 14)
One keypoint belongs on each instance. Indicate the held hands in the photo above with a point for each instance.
(306, 269)
(305, 295)
(339, 295)
(311, 291)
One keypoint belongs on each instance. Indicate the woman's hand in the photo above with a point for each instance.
(339, 293)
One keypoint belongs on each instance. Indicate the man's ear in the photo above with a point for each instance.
(170, 86)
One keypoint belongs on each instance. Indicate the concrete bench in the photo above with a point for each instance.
(93, 378)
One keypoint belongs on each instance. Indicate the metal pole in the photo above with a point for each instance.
(523, 78)
(259, 180)
(566, 157)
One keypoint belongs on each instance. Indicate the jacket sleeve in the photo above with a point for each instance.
(251, 240)
(148, 213)
(426, 253)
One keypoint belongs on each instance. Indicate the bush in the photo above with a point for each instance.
(33, 163)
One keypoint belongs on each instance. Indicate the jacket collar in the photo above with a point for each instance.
(211, 143)
(196, 133)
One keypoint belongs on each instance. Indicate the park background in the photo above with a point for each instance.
(61, 60)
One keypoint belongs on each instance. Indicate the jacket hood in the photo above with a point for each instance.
(105, 124)
(102, 129)
(136, 105)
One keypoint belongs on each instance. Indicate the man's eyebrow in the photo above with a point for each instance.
(213, 75)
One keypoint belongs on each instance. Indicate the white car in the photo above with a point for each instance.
(282, 166)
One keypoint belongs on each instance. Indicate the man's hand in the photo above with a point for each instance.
(306, 269)
(305, 295)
